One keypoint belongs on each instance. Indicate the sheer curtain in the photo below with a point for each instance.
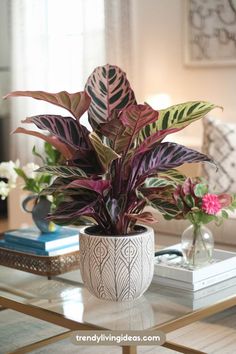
(55, 46)
(118, 34)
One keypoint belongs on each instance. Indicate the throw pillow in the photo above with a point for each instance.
(220, 143)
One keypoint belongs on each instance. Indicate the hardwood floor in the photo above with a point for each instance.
(215, 335)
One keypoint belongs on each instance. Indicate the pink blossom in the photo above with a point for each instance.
(211, 204)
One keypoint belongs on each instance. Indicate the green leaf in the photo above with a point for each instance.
(169, 178)
(206, 218)
(177, 116)
(224, 214)
(182, 114)
(44, 179)
(21, 173)
(234, 204)
(173, 175)
(31, 185)
(157, 182)
(63, 171)
(168, 217)
(165, 207)
(200, 190)
(35, 153)
(162, 203)
(105, 154)
(189, 200)
(55, 187)
(52, 155)
(180, 204)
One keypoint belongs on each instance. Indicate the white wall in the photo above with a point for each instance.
(159, 65)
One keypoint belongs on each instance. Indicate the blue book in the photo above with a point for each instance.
(32, 237)
(37, 251)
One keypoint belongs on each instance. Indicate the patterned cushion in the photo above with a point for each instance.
(220, 143)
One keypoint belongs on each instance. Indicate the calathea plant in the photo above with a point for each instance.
(111, 173)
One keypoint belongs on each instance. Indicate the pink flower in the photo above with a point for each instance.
(211, 204)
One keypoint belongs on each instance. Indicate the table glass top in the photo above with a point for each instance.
(67, 296)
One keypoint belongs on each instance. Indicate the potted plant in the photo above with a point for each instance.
(111, 173)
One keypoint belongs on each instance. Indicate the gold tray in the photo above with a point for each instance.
(41, 265)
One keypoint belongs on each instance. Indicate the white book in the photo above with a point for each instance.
(207, 296)
(223, 261)
(197, 285)
(211, 290)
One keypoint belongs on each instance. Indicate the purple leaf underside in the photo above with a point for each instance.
(162, 158)
(76, 103)
(98, 186)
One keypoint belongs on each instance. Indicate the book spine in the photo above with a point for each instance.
(38, 252)
(45, 246)
(214, 280)
(195, 286)
(24, 242)
(21, 248)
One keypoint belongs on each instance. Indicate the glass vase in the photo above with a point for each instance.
(197, 246)
(40, 210)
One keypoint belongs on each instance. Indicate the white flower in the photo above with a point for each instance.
(29, 169)
(50, 198)
(4, 190)
(7, 171)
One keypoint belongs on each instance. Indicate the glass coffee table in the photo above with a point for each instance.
(64, 301)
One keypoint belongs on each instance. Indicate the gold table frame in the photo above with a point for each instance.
(71, 325)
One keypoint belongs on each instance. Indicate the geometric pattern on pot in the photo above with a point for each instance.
(117, 268)
(219, 142)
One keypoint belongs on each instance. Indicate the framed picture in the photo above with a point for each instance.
(210, 32)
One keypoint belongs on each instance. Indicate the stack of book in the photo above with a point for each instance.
(173, 273)
(209, 295)
(32, 241)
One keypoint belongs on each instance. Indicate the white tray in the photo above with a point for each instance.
(224, 261)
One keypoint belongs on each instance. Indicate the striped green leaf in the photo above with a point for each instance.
(173, 175)
(161, 201)
(57, 185)
(164, 179)
(63, 171)
(155, 182)
(177, 116)
(165, 207)
(105, 153)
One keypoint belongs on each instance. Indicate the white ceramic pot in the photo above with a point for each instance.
(117, 268)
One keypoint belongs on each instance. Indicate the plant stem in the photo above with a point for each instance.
(196, 228)
(204, 245)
